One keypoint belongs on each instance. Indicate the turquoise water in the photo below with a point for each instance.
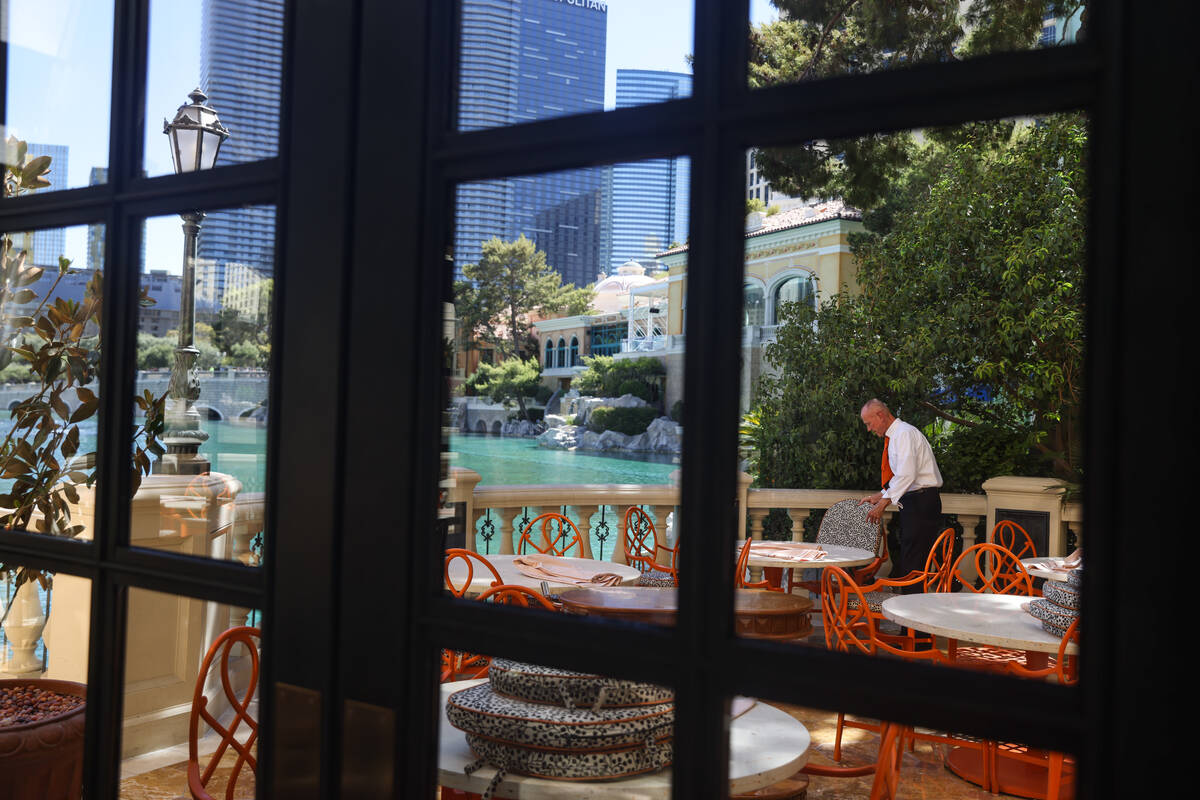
(514, 460)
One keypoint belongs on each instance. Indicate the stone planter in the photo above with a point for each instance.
(44, 760)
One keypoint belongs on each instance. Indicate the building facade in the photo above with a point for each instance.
(241, 54)
(649, 198)
(46, 245)
(526, 60)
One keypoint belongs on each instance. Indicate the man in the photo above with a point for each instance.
(910, 479)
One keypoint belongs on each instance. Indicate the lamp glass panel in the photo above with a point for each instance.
(185, 143)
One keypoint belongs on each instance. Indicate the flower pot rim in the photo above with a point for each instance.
(70, 688)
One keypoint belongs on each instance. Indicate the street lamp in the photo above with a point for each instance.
(196, 135)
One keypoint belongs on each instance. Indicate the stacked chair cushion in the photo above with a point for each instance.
(552, 723)
(1059, 604)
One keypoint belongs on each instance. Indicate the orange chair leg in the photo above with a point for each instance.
(837, 739)
(1054, 779)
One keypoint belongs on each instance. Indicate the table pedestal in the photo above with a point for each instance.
(1015, 776)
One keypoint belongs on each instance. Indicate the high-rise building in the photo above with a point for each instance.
(95, 234)
(45, 246)
(241, 52)
(649, 198)
(525, 60)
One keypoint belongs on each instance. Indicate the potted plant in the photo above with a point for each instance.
(41, 467)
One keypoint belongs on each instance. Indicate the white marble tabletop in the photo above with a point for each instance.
(995, 619)
(766, 745)
(836, 556)
(481, 579)
(1040, 568)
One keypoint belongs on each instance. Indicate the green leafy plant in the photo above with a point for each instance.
(59, 342)
(606, 376)
(629, 421)
(510, 380)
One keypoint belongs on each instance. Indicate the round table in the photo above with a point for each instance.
(481, 579)
(836, 555)
(1040, 568)
(758, 613)
(998, 620)
(766, 745)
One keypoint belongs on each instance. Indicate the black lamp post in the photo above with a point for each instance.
(196, 135)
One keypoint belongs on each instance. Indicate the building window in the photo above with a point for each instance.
(606, 339)
(548, 363)
(562, 352)
(793, 290)
(574, 351)
(755, 305)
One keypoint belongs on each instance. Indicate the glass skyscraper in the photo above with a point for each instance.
(45, 246)
(525, 60)
(241, 52)
(649, 198)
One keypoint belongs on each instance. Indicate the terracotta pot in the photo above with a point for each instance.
(44, 760)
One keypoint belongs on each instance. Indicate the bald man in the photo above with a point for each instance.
(910, 479)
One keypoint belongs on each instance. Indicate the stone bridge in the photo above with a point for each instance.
(223, 395)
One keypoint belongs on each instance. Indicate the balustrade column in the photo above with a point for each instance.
(622, 543)
(585, 527)
(662, 555)
(969, 522)
(506, 530)
(798, 515)
(757, 516)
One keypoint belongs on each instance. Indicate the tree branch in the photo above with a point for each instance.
(812, 62)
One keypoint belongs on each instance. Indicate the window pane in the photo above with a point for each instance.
(796, 40)
(537, 59)
(924, 339)
(577, 412)
(531, 719)
(204, 493)
(232, 51)
(57, 84)
(51, 297)
(174, 646)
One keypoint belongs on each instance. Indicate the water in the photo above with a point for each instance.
(515, 460)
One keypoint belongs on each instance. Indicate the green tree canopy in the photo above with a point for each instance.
(511, 380)
(509, 283)
(970, 321)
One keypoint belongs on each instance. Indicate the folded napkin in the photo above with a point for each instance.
(783, 552)
(554, 570)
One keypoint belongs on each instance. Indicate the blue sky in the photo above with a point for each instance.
(60, 69)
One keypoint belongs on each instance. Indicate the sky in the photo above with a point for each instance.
(60, 65)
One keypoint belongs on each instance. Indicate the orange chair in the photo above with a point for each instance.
(642, 547)
(558, 535)
(1013, 538)
(513, 595)
(199, 777)
(739, 573)
(469, 558)
(933, 578)
(852, 627)
(1000, 572)
(1065, 670)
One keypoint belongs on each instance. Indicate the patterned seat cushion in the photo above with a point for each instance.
(573, 766)
(660, 580)
(846, 524)
(534, 683)
(874, 599)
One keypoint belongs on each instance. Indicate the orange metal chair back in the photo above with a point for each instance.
(739, 574)
(1001, 571)
(641, 544)
(848, 625)
(1065, 668)
(512, 595)
(469, 558)
(198, 777)
(558, 535)
(1013, 538)
(939, 563)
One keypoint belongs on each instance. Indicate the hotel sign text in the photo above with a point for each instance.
(594, 5)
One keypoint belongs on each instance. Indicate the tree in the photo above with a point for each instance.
(511, 379)
(511, 281)
(970, 321)
(824, 38)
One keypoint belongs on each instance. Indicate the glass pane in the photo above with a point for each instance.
(576, 413)
(800, 40)
(43, 681)
(175, 645)
(920, 361)
(209, 474)
(527, 718)
(51, 296)
(232, 51)
(537, 59)
(57, 91)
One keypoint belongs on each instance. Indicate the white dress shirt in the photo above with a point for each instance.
(911, 459)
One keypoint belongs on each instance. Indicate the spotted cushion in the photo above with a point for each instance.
(874, 599)
(846, 524)
(1055, 619)
(573, 766)
(1061, 594)
(534, 683)
(482, 713)
(659, 580)
(1075, 578)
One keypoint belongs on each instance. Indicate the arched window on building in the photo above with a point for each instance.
(562, 352)
(754, 306)
(548, 361)
(794, 290)
(574, 362)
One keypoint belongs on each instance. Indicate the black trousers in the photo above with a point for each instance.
(920, 524)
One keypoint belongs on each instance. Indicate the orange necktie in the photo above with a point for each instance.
(886, 469)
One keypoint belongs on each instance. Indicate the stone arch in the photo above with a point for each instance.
(496, 426)
(209, 413)
(778, 283)
(480, 427)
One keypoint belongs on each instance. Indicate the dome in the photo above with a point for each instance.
(612, 293)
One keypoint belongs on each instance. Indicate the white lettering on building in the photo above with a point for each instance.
(594, 5)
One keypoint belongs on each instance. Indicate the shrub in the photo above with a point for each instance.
(677, 411)
(636, 388)
(629, 421)
(606, 376)
(543, 393)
